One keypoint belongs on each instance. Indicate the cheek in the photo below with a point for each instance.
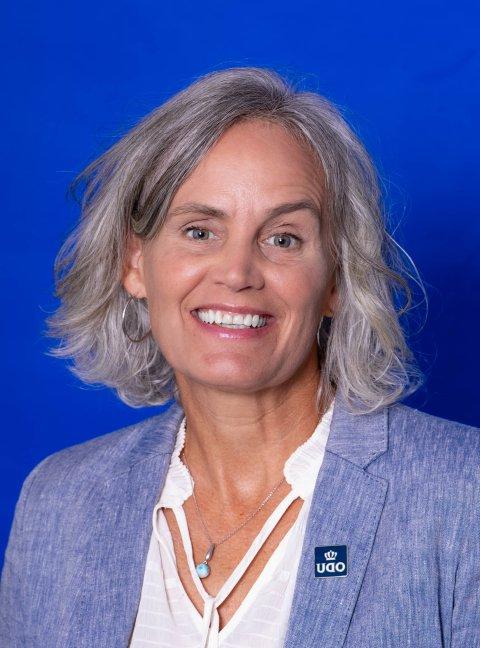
(302, 289)
(169, 277)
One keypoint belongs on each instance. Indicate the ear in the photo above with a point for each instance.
(332, 302)
(133, 275)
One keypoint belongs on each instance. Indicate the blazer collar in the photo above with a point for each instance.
(116, 527)
(358, 438)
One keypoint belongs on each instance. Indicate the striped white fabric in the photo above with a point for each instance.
(166, 615)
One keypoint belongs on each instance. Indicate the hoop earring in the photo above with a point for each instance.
(123, 323)
(318, 330)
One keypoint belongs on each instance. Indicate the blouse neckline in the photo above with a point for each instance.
(300, 469)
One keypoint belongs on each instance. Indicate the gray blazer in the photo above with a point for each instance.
(390, 558)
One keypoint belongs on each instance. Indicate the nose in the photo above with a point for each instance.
(238, 266)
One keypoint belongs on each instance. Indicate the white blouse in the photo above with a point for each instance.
(167, 617)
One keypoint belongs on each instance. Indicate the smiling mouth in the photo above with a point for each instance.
(224, 319)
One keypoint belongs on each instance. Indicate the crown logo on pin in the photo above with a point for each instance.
(330, 555)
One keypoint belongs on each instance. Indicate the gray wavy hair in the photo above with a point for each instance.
(362, 349)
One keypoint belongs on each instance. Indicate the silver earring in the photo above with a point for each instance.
(318, 330)
(124, 326)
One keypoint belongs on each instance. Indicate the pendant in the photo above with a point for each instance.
(203, 569)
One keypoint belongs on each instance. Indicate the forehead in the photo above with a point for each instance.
(254, 162)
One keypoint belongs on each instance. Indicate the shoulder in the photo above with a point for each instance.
(433, 459)
(449, 443)
(98, 459)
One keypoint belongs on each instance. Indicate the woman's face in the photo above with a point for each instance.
(227, 245)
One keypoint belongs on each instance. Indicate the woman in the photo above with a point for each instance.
(232, 254)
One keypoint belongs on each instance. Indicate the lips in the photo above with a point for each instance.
(230, 332)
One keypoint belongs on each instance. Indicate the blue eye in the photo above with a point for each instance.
(193, 228)
(286, 237)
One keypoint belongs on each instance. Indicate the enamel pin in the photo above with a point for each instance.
(331, 561)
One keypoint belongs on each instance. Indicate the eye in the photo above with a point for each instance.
(194, 228)
(285, 239)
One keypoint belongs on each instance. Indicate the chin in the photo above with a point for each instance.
(230, 382)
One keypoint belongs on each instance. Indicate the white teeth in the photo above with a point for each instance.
(231, 321)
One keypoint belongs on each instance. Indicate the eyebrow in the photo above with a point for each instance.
(279, 210)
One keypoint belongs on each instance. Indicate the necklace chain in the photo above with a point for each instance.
(229, 535)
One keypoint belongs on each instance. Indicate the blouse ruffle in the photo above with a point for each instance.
(302, 466)
(178, 483)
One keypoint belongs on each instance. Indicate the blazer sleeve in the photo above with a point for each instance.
(466, 600)
(14, 578)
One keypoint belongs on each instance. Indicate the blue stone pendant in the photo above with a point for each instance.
(202, 568)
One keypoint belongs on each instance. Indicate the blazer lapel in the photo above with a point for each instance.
(346, 507)
(118, 536)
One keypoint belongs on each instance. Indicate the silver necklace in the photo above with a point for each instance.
(203, 568)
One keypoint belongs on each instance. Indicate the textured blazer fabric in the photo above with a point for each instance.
(390, 557)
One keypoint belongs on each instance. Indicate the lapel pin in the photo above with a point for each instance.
(331, 561)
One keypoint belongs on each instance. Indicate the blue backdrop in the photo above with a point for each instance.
(77, 75)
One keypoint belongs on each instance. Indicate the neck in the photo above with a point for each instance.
(236, 444)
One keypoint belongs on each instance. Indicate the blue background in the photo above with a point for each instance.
(77, 75)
